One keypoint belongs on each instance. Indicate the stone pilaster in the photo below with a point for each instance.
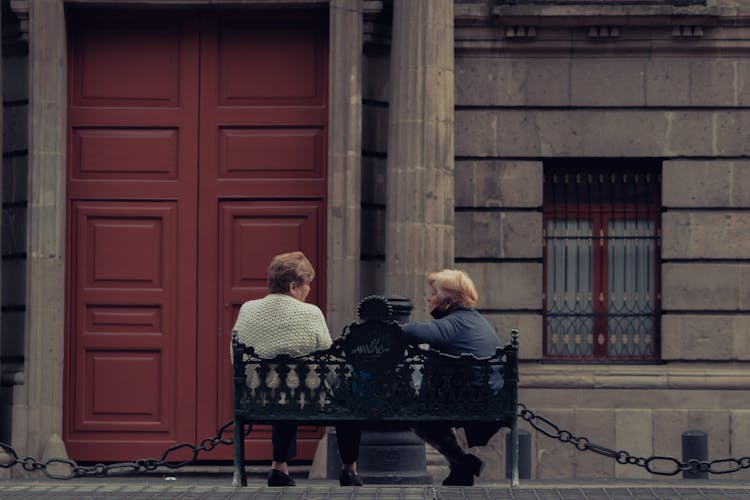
(344, 161)
(38, 404)
(1, 188)
(419, 221)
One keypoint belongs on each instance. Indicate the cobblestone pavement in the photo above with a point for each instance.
(164, 487)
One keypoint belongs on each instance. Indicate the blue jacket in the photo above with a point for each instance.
(461, 331)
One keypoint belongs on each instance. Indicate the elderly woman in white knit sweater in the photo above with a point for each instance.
(282, 323)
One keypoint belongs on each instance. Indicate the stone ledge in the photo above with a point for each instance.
(686, 376)
(618, 14)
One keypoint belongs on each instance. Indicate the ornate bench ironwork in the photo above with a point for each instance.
(371, 375)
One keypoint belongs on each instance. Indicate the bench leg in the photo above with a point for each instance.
(239, 477)
(514, 482)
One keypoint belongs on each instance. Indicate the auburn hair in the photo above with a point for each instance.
(288, 268)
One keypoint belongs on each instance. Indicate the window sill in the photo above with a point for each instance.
(666, 376)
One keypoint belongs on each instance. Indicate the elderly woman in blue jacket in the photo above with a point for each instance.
(457, 329)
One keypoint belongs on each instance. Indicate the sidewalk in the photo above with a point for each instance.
(167, 485)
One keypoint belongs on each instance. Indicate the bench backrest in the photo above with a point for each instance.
(370, 374)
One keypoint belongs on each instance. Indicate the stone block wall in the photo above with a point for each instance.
(498, 241)
(706, 276)
(643, 94)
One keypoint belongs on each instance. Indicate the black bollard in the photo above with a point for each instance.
(694, 447)
(524, 455)
(393, 454)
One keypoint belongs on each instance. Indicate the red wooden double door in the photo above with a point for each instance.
(196, 151)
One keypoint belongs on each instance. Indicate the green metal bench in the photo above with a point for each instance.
(370, 375)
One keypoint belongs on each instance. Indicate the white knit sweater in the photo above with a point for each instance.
(281, 324)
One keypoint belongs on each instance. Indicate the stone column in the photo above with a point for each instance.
(344, 179)
(344, 161)
(38, 405)
(2, 169)
(419, 213)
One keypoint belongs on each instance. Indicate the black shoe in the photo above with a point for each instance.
(278, 478)
(349, 478)
(459, 477)
(473, 464)
(462, 474)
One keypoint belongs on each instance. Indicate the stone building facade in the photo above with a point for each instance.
(445, 122)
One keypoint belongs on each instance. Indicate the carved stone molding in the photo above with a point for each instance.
(631, 29)
(376, 18)
(520, 32)
(604, 32)
(687, 31)
(602, 13)
(21, 9)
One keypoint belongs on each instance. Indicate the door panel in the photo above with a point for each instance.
(270, 59)
(286, 152)
(128, 343)
(251, 233)
(262, 181)
(126, 59)
(126, 153)
(132, 177)
(122, 138)
(257, 145)
(154, 99)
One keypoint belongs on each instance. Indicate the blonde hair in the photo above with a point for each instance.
(288, 268)
(454, 288)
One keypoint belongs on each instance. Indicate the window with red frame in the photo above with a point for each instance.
(601, 260)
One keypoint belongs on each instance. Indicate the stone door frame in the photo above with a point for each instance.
(37, 405)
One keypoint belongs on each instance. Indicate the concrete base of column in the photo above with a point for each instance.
(392, 455)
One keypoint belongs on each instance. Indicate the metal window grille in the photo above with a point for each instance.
(601, 260)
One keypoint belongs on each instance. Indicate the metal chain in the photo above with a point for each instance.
(660, 465)
(31, 464)
(655, 464)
